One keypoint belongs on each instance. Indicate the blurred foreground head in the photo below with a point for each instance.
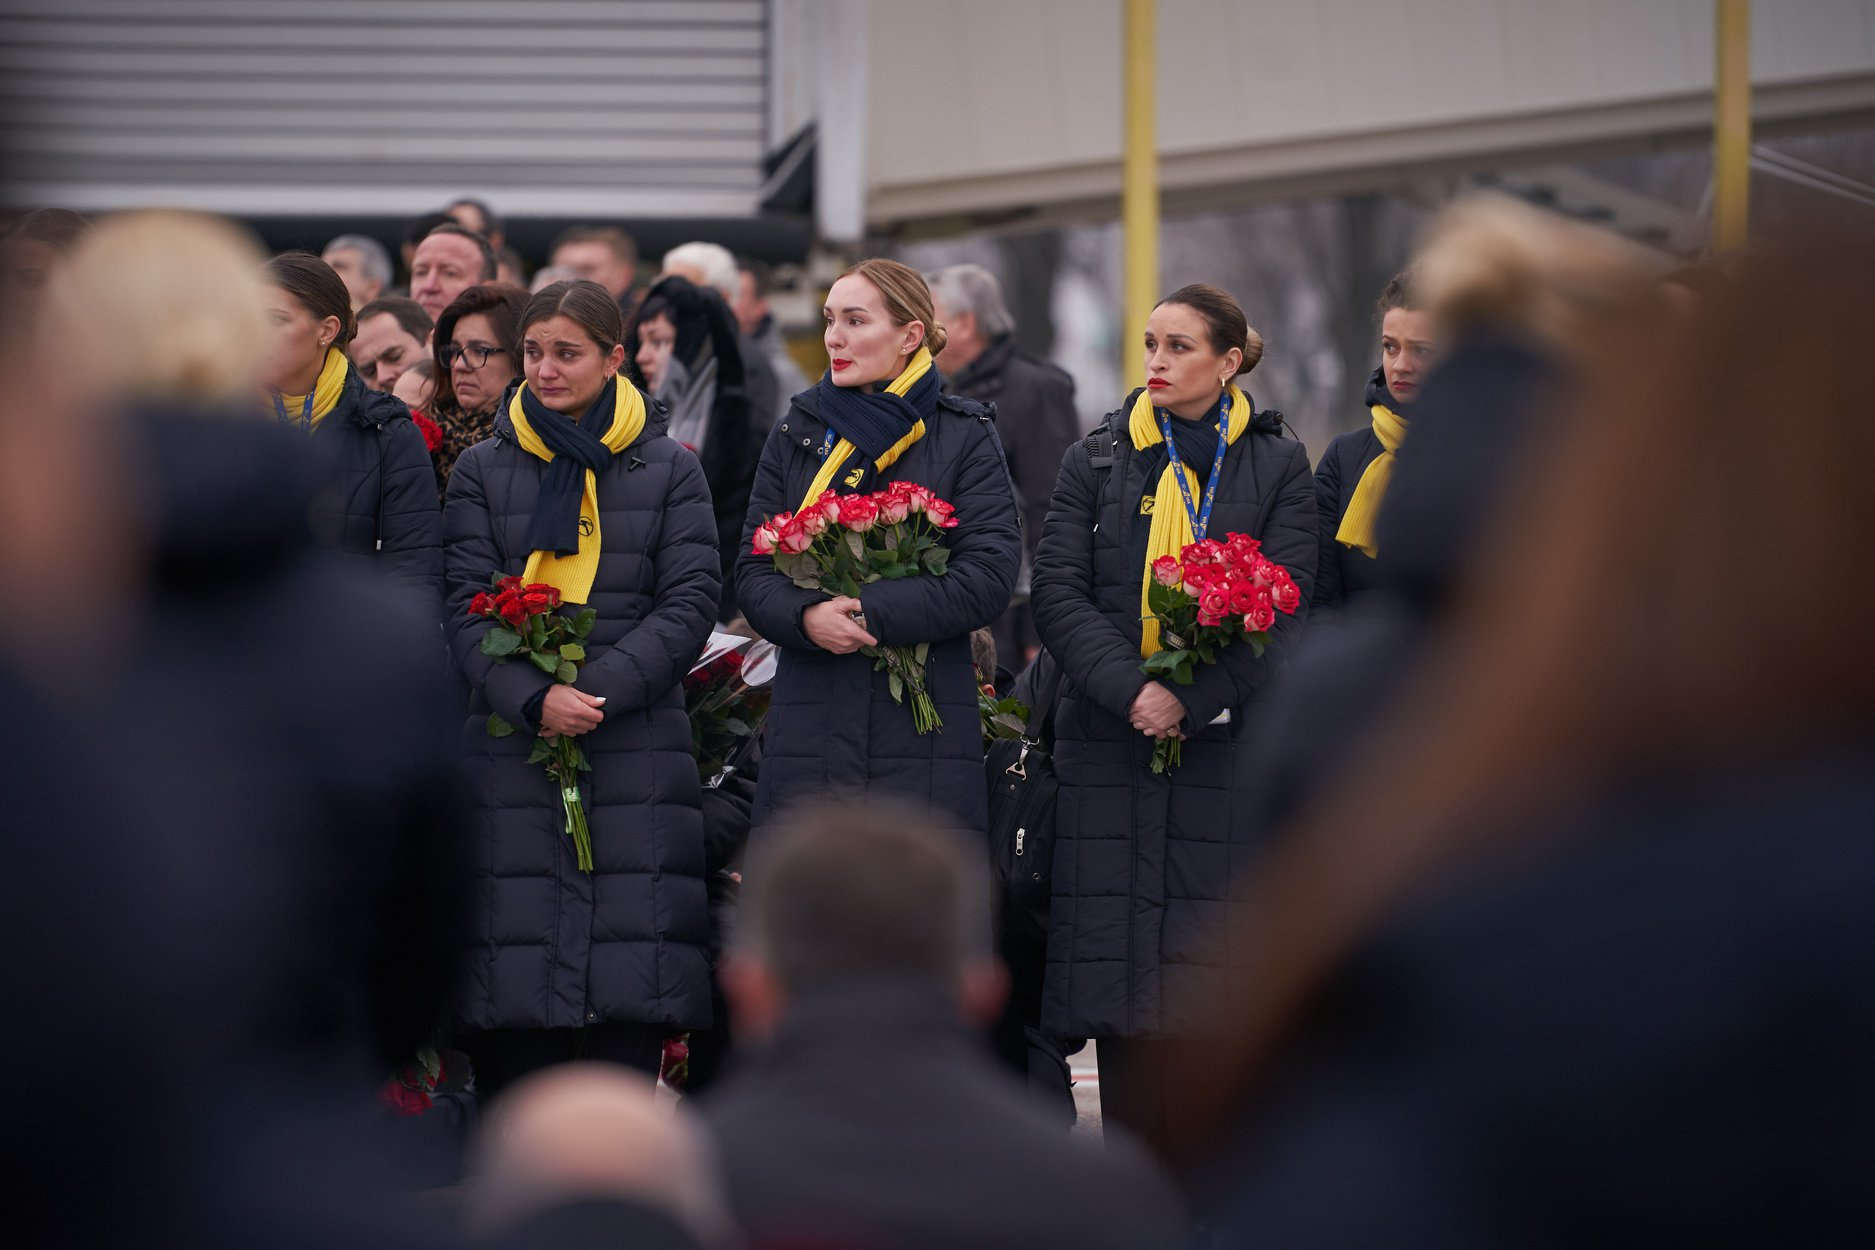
(163, 307)
(145, 308)
(1663, 594)
(840, 897)
(593, 1136)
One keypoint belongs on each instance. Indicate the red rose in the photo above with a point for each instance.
(828, 506)
(1165, 571)
(941, 513)
(894, 506)
(813, 521)
(507, 584)
(536, 604)
(766, 536)
(1260, 619)
(402, 1099)
(432, 433)
(1285, 595)
(482, 605)
(793, 538)
(1243, 597)
(917, 496)
(542, 588)
(513, 611)
(1214, 602)
(859, 513)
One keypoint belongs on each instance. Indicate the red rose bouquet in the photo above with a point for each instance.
(726, 695)
(840, 543)
(529, 627)
(1212, 595)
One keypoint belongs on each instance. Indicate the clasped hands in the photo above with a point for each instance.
(1157, 712)
(569, 711)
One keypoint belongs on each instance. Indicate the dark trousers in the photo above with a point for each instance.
(500, 1057)
(1137, 1077)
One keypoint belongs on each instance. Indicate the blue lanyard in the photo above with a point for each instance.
(305, 416)
(1200, 520)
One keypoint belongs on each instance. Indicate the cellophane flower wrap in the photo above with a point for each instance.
(726, 695)
(841, 543)
(529, 627)
(1213, 595)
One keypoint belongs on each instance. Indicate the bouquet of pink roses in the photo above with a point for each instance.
(840, 543)
(1211, 595)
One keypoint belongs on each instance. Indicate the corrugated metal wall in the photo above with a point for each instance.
(610, 107)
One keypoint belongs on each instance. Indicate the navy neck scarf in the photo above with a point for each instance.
(875, 421)
(576, 447)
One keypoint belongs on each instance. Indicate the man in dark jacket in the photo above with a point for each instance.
(1035, 414)
(871, 1116)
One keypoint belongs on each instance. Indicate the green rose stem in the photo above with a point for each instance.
(565, 770)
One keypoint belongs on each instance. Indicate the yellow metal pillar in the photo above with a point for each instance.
(1140, 176)
(1731, 124)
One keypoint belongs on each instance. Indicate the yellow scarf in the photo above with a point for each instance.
(573, 575)
(919, 365)
(1171, 525)
(1357, 525)
(326, 390)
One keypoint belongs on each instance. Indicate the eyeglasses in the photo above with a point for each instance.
(476, 354)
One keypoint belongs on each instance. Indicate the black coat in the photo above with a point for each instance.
(380, 499)
(1656, 1032)
(832, 725)
(1343, 574)
(1471, 425)
(1035, 416)
(1144, 864)
(872, 1119)
(554, 947)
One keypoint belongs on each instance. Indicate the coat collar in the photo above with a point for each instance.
(988, 366)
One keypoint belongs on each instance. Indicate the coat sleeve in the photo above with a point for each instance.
(653, 656)
(1326, 597)
(986, 555)
(470, 557)
(1095, 653)
(770, 602)
(412, 522)
(1289, 538)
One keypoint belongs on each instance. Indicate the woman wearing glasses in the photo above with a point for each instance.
(475, 364)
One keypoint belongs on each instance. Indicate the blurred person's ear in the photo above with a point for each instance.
(982, 990)
(756, 999)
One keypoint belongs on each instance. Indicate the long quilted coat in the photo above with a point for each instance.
(553, 947)
(1145, 863)
(833, 727)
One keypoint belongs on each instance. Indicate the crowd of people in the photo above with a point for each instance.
(1511, 888)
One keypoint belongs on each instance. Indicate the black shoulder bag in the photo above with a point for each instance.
(1021, 775)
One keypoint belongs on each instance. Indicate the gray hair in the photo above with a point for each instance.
(377, 260)
(715, 263)
(842, 892)
(973, 289)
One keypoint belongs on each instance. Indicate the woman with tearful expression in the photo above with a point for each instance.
(581, 489)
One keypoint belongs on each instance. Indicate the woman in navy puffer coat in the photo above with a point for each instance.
(563, 963)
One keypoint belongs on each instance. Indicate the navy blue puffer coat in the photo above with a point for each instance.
(379, 500)
(833, 727)
(1144, 862)
(553, 947)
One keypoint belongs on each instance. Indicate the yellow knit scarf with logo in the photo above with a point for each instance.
(917, 367)
(326, 390)
(1171, 529)
(1357, 524)
(573, 575)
